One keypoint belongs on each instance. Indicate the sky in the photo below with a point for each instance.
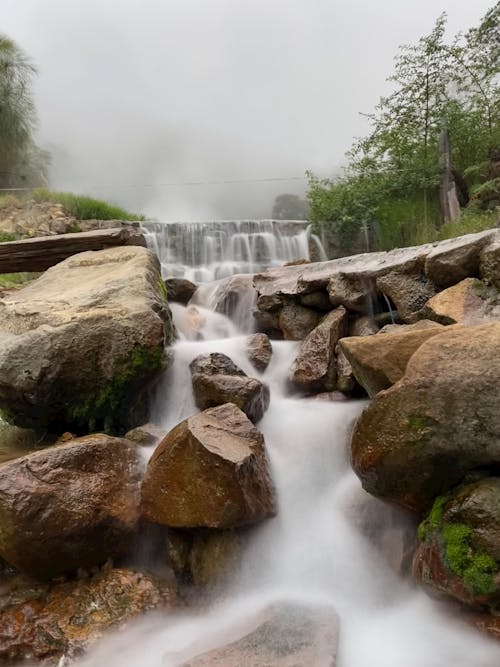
(136, 97)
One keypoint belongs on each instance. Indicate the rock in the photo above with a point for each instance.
(206, 558)
(318, 300)
(380, 361)
(296, 321)
(217, 380)
(363, 326)
(346, 381)
(266, 322)
(233, 296)
(210, 471)
(459, 552)
(180, 290)
(259, 351)
(355, 292)
(46, 622)
(314, 367)
(420, 438)
(401, 328)
(284, 635)
(81, 346)
(455, 259)
(469, 302)
(489, 264)
(408, 292)
(145, 435)
(15, 441)
(69, 506)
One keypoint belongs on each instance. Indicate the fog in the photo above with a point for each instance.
(138, 97)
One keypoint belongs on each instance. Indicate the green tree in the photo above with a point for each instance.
(22, 162)
(289, 207)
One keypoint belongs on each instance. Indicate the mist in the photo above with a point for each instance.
(174, 107)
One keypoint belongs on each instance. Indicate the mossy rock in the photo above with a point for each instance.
(459, 551)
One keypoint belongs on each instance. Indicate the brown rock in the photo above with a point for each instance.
(355, 292)
(409, 292)
(206, 558)
(363, 326)
(210, 471)
(346, 380)
(145, 435)
(314, 367)
(259, 351)
(469, 302)
(317, 300)
(459, 552)
(69, 506)
(489, 264)
(217, 380)
(268, 323)
(455, 259)
(180, 290)
(284, 635)
(420, 438)
(380, 361)
(81, 346)
(296, 321)
(45, 622)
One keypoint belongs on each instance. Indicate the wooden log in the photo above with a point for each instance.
(40, 253)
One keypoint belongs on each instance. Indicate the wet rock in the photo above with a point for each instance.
(363, 326)
(318, 300)
(46, 622)
(180, 290)
(314, 368)
(231, 296)
(490, 264)
(455, 259)
(268, 323)
(81, 346)
(69, 506)
(284, 635)
(409, 292)
(380, 361)
(355, 292)
(206, 558)
(346, 380)
(217, 380)
(259, 351)
(15, 441)
(296, 321)
(469, 302)
(145, 435)
(459, 552)
(420, 438)
(210, 471)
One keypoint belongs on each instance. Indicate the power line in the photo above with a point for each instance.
(273, 179)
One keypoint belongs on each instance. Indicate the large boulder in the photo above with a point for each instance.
(81, 346)
(314, 368)
(47, 622)
(468, 302)
(489, 263)
(408, 291)
(210, 471)
(217, 380)
(286, 635)
(296, 321)
(459, 552)
(180, 290)
(380, 361)
(69, 506)
(420, 438)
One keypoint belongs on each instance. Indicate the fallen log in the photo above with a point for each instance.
(40, 253)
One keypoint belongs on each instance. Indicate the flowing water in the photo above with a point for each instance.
(315, 551)
(206, 251)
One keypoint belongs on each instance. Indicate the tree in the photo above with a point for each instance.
(22, 162)
(289, 207)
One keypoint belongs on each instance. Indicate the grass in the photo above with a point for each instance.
(13, 280)
(85, 208)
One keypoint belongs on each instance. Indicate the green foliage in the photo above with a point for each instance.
(11, 280)
(83, 207)
(390, 190)
(7, 236)
(475, 568)
(431, 523)
(22, 163)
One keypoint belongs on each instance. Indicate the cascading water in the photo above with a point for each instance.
(315, 552)
(206, 251)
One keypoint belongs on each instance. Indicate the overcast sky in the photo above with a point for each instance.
(153, 92)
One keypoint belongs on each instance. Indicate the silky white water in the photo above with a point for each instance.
(206, 251)
(312, 552)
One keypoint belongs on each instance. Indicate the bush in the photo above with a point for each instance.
(85, 208)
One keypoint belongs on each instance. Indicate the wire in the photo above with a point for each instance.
(180, 184)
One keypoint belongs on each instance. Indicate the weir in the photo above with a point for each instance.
(206, 251)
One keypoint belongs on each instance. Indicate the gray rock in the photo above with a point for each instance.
(259, 351)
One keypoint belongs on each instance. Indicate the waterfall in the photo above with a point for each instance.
(326, 545)
(206, 251)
